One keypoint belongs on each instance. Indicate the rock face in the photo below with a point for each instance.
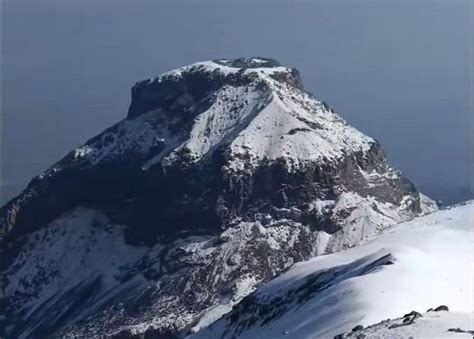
(222, 175)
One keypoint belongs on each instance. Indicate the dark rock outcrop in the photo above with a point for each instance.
(441, 308)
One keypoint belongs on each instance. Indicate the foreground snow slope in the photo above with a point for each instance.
(439, 325)
(411, 266)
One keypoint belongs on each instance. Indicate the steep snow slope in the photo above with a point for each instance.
(223, 174)
(78, 253)
(79, 268)
(416, 265)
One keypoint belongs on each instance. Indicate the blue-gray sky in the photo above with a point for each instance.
(397, 70)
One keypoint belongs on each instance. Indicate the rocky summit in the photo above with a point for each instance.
(223, 174)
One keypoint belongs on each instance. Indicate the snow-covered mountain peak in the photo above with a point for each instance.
(199, 80)
(260, 67)
(223, 174)
(255, 62)
(247, 108)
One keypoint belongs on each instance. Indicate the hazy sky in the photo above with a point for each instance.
(397, 70)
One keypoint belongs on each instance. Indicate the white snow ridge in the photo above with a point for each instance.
(415, 265)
